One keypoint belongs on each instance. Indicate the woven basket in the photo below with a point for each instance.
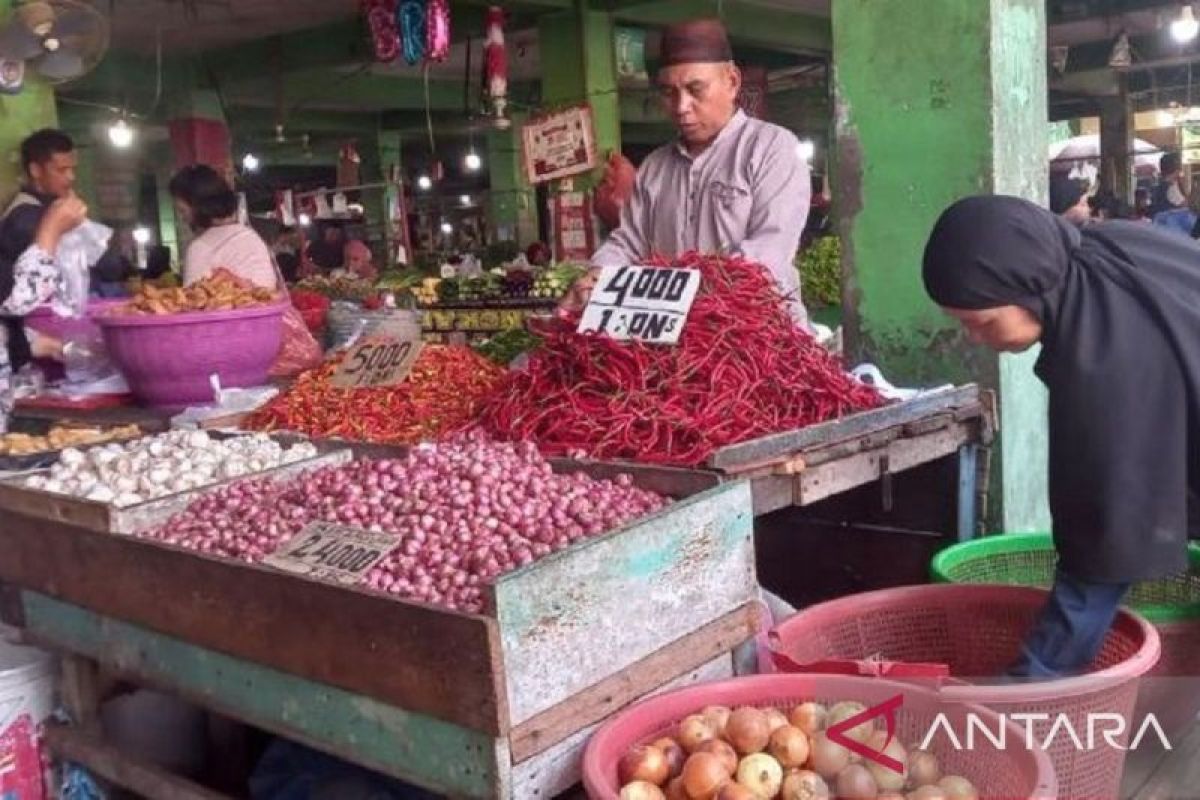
(999, 774)
(976, 630)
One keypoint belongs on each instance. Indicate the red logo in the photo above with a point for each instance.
(887, 710)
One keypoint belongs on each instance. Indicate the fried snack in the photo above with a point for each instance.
(58, 438)
(220, 291)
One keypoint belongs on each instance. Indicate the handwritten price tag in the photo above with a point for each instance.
(327, 551)
(649, 304)
(382, 359)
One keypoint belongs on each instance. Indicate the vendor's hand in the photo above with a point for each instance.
(46, 347)
(63, 215)
(580, 292)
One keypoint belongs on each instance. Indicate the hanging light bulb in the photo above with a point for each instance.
(472, 161)
(120, 134)
(1186, 27)
(424, 183)
(465, 199)
(447, 228)
(805, 149)
(141, 235)
(305, 220)
(250, 162)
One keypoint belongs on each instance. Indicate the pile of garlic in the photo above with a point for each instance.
(145, 469)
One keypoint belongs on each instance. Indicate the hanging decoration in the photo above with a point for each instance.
(411, 17)
(495, 62)
(437, 30)
(381, 22)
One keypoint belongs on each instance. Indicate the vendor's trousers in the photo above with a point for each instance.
(1070, 628)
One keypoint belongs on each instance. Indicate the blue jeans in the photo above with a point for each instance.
(1070, 629)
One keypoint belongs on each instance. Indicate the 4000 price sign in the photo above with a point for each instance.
(649, 304)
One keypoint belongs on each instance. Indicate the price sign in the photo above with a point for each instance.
(328, 551)
(649, 304)
(382, 359)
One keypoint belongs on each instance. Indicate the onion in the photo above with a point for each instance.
(841, 712)
(722, 750)
(747, 730)
(718, 717)
(703, 776)
(804, 785)
(675, 790)
(761, 774)
(646, 763)
(957, 787)
(789, 746)
(736, 791)
(887, 778)
(776, 719)
(928, 793)
(827, 758)
(808, 717)
(855, 783)
(694, 731)
(923, 769)
(674, 754)
(641, 790)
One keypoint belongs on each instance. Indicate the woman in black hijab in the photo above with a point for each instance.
(1116, 308)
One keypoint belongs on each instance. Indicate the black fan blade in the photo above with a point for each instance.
(19, 43)
(76, 22)
(60, 66)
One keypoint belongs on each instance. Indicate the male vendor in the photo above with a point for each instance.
(729, 184)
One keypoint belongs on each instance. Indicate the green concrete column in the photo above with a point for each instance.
(917, 128)
(513, 204)
(21, 115)
(579, 65)
(168, 228)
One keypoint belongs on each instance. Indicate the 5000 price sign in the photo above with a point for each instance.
(649, 304)
(381, 360)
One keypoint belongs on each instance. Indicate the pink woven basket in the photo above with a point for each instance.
(999, 774)
(976, 631)
(167, 358)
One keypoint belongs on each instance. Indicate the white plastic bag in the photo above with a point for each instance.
(78, 249)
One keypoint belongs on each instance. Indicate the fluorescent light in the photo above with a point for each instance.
(472, 161)
(805, 149)
(424, 183)
(447, 228)
(141, 234)
(250, 162)
(120, 134)
(1186, 27)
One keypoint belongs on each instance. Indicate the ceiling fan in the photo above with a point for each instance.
(60, 40)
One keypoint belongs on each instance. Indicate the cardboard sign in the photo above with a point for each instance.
(559, 144)
(328, 551)
(649, 304)
(383, 358)
(574, 231)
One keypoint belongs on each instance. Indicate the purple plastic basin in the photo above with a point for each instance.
(167, 358)
(45, 321)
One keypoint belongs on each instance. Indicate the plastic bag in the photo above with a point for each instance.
(299, 351)
(78, 249)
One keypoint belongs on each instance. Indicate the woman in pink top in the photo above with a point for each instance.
(205, 201)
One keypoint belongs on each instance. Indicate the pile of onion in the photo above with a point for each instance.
(763, 753)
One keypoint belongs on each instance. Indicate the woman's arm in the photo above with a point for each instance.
(36, 276)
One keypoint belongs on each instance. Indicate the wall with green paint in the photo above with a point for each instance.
(916, 129)
(21, 115)
(513, 211)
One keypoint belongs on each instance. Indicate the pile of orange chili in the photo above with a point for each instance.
(441, 394)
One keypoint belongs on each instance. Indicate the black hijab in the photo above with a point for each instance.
(1120, 307)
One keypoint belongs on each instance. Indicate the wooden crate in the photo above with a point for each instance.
(569, 639)
(108, 518)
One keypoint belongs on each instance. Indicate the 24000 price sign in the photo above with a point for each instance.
(649, 304)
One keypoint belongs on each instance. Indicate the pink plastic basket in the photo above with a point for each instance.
(167, 358)
(999, 774)
(976, 631)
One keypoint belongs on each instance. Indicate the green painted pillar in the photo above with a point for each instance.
(21, 115)
(917, 128)
(168, 228)
(513, 204)
(579, 65)
(389, 157)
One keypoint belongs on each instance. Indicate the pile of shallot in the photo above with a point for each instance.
(464, 513)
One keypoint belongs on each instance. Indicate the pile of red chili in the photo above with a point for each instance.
(742, 369)
(441, 394)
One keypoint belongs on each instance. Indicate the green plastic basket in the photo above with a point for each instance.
(1028, 559)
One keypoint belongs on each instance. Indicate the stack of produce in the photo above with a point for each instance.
(741, 369)
(761, 754)
(481, 287)
(22, 444)
(426, 291)
(553, 283)
(820, 266)
(342, 287)
(313, 307)
(463, 513)
(440, 395)
(507, 345)
(220, 291)
(155, 466)
(518, 283)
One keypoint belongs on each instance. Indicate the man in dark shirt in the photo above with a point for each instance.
(1167, 194)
